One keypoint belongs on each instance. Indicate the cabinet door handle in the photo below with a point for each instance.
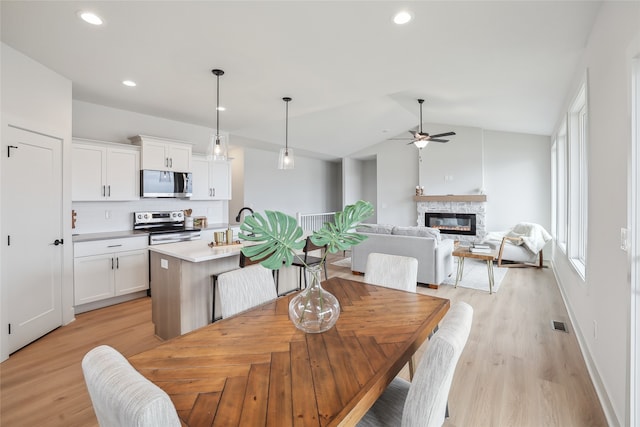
(170, 162)
(213, 192)
(109, 190)
(112, 263)
(117, 262)
(103, 190)
(114, 246)
(166, 162)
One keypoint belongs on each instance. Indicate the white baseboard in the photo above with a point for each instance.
(601, 391)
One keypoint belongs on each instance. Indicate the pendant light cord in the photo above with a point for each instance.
(286, 99)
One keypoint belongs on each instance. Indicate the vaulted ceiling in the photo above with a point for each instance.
(353, 74)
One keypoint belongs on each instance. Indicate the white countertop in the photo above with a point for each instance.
(196, 250)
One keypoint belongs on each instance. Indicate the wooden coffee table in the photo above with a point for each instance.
(463, 252)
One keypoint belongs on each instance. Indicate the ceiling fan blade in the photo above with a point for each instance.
(442, 134)
(439, 140)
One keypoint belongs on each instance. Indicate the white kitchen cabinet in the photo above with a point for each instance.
(109, 268)
(211, 179)
(104, 171)
(164, 154)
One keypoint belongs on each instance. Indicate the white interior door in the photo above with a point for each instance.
(31, 223)
(634, 237)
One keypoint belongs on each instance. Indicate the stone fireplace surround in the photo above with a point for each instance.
(461, 204)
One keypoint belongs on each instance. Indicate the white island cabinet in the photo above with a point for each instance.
(211, 179)
(164, 154)
(104, 269)
(104, 171)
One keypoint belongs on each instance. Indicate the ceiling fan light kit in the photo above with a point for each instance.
(217, 149)
(285, 159)
(421, 139)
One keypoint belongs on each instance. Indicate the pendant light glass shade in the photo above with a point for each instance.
(286, 160)
(217, 148)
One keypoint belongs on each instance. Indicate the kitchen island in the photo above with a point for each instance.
(182, 283)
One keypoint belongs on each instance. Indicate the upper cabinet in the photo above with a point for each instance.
(211, 179)
(164, 154)
(104, 171)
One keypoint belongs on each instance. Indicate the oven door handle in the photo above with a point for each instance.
(174, 237)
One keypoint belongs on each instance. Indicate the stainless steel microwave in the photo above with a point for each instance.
(165, 184)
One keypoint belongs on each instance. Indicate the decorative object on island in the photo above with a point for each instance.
(278, 237)
(218, 146)
(286, 160)
(188, 219)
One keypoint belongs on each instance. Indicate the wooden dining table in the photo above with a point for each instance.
(258, 369)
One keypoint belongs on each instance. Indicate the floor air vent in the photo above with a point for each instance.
(559, 326)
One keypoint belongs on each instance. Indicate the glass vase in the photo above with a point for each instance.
(314, 310)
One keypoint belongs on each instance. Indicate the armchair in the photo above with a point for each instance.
(521, 246)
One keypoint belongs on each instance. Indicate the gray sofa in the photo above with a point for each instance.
(433, 253)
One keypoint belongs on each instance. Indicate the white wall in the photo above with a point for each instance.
(517, 179)
(36, 98)
(313, 186)
(604, 298)
(454, 167)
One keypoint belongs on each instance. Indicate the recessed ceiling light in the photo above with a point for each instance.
(402, 17)
(90, 18)
(129, 83)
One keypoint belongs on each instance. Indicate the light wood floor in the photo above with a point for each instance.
(514, 372)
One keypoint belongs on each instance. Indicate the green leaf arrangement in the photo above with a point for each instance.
(278, 235)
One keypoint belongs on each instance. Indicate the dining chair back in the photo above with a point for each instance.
(392, 271)
(121, 396)
(245, 288)
(423, 402)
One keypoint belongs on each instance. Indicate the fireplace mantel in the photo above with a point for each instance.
(479, 198)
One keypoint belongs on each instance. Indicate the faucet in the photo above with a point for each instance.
(240, 213)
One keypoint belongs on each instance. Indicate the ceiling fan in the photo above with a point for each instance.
(420, 138)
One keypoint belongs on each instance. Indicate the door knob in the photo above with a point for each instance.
(58, 242)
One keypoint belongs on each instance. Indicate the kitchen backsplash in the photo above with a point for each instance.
(97, 217)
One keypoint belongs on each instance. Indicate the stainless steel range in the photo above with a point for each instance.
(164, 227)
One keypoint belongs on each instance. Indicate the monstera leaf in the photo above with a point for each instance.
(339, 235)
(278, 236)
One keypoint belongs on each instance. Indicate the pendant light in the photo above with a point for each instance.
(218, 146)
(285, 160)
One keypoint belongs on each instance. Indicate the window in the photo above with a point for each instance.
(559, 156)
(578, 127)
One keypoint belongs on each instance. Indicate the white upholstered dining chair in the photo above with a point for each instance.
(121, 396)
(392, 271)
(423, 402)
(245, 288)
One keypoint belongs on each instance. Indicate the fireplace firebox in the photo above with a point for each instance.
(451, 223)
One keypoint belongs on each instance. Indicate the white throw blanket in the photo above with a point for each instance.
(532, 236)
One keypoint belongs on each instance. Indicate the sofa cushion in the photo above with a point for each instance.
(375, 228)
(417, 231)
